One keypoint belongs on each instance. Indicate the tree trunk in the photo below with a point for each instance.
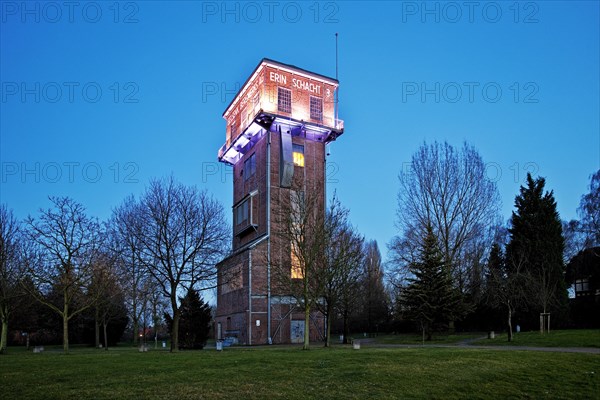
(105, 336)
(65, 315)
(306, 327)
(4, 339)
(97, 329)
(175, 333)
(136, 328)
(328, 328)
(346, 327)
(135, 320)
(510, 331)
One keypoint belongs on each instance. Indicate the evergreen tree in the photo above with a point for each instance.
(194, 324)
(536, 247)
(430, 299)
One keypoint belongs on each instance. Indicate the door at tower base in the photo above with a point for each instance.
(297, 330)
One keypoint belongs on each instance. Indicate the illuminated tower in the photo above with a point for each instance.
(277, 128)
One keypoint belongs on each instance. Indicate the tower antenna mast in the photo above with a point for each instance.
(337, 95)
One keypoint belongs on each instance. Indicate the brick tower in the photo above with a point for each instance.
(277, 128)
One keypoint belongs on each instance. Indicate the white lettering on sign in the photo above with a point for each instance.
(279, 78)
(297, 83)
(311, 87)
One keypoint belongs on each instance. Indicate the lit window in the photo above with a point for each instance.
(297, 271)
(316, 108)
(298, 154)
(284, 100)
(250, 166)
(297, 209)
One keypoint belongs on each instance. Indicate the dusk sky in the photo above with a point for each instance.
(97, 98)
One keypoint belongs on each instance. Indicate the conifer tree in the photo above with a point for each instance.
(194, 324)
(430, 299)
(536, 247)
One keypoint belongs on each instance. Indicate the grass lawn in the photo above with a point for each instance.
(562, 338)
(290, 373)
(418, 339)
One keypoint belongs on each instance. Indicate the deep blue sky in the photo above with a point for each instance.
(174, 67)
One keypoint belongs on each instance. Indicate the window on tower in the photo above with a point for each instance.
(297, 211)
(297, 271)
(316, 108)
(250, 166)
(244, 215)
(298, 155)
(256, 101)
(284, 100)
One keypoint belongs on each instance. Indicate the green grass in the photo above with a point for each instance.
(562, 338)
(290, 373)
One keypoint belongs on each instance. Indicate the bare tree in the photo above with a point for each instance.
(374, 296)
(64, 244)
(124, 227)
(449, 190)
(157, 306)
(301, 230)
(506, 284)
(343, 256)
(589, 212)
(183, 234)
(107, 289)
(10, 271)
(575, 239)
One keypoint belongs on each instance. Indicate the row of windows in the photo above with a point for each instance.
(284, 104)
(250, 163)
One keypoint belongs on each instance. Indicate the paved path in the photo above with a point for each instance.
(467, 344)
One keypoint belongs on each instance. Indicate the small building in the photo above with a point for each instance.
(583, 272)
(277, 128)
